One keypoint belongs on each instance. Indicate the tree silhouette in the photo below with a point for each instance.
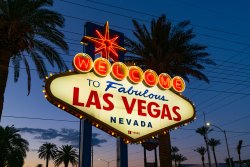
(202, 151)
(13, 147)
(48, 152)
(166, 48)
(203, 131)
(213, 143)
(66, 154)
(25, 27)
(239, 146)
(174, 150)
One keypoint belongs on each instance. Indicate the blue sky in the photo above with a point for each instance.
(223, 26)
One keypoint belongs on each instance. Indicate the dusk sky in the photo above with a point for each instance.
(222, 26)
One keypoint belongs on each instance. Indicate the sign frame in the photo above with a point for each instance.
(100, 124)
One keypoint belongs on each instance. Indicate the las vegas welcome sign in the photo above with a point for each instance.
(122, 100)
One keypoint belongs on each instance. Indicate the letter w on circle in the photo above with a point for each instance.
(83, 61)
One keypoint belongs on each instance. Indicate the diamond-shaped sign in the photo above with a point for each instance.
(132, 111)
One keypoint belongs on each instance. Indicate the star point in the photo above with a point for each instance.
(108, 47)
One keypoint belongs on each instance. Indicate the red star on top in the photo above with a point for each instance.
(104, 45)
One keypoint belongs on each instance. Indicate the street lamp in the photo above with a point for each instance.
(108, 162)
(229, 158)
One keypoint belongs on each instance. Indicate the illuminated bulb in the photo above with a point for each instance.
(113, 133)
(97, 125)
(81, 117)
(46, 77)
(69, 70)
(165, 132)
(153, 137)
(195, 118)
(44, 91)
(59, 105)
(63, 108)
(175, 128)
(51, 74)
(45, 96)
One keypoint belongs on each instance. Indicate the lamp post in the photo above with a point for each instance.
(209, 124)
(108, 162)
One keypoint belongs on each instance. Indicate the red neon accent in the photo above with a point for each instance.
(178, 84)
(104, 45)
(119, 70)
(150, 77)
(102, 66)
(164, 81)
(82, 62)
(135, 74)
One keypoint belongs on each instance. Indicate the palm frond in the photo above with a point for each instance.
(50, 53)
(27, 67)
(40, 66)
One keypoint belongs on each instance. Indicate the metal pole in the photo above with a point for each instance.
(156, 163)
(145, 157)
(92, 152)
(227, 149)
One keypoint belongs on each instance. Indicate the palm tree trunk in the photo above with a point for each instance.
(207, 147)
(165, 150)
(47, 161)
(203, 159)
(240, 160)
(175, 163)
(215, 160)
(4, 70)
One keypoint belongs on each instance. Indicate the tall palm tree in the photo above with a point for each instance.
(180, 158)
(47, 151)
(203, 131)
(202, 151)
(213, 143)
(168, 48)
(66, 154)
(174, 150)
(29, 32)
(13, 147)
(239, 146)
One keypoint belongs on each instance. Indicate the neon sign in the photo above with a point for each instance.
(121, 100)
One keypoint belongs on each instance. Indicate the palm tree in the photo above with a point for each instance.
(174, 150)
(47, 151)
(168, 49)
(202, 151)
(67, 154)
(29, 32)
(213, 143)
(13, 147)
(203, 131)
(180, 158)
(227, 160)
(239, 146)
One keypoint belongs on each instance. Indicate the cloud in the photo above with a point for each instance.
(64, 135)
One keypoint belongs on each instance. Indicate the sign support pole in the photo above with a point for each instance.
(122, 153)
(85, 143)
